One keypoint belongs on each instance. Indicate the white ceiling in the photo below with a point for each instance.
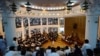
(49, 3)
(46, 3)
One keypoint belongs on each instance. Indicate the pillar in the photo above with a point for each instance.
(92, 18)
(41, 29)
(9, 27)
(58, 25)
(8, 22)
(91, 29)
(23, 30)
(47, 30)
(29, 27)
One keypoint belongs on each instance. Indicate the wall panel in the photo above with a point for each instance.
(78, 22)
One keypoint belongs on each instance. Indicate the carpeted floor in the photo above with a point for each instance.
(58, 42)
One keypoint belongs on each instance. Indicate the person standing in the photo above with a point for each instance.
(86, 46)
(15, 43)
(11, 51)
(2, 45)
(48, 51)
(53, 52)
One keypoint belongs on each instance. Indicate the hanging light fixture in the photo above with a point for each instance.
(28, 4)
(28, 8)
(69, 5)
(85, 5)
(13, 7)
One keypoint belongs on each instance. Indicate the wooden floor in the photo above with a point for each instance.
(58, 42)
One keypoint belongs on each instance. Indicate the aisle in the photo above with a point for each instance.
(58, 42)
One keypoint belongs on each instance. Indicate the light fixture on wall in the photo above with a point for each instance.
(69, 5)
(28, 8)
(13, 7)
(85, 5)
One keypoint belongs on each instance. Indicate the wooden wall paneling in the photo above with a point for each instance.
(80, 21)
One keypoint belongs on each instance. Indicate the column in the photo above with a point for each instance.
(47, 25)
(58, 25)
(92, 18)
(8, 22)
(29, 27)
(91, 29)
(23, 30)
(41, 29)
(9, 27)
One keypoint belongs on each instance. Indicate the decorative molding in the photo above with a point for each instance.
(64, 13)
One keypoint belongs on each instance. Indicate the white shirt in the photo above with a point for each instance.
(28, 53)
(48, 51)
(85, 47)
(10, 53)
(34, 53)
(18, 53)
(67, 51)
(54, 54)
(15, 43)
(61, 53)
